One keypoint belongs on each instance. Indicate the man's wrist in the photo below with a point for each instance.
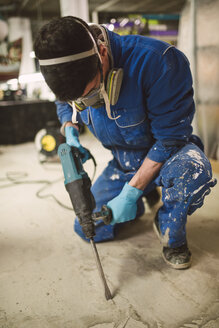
(132, 192)
(65, 124)
(68, 123)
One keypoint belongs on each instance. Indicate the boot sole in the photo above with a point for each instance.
(178, 266)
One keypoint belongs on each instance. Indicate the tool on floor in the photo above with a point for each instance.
(47, 141)
(78, 185)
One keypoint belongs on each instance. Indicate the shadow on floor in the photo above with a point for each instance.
(133, 228)
(203, 236)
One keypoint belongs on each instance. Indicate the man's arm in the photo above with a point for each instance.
(70, 130)
(69, 123)
(124, 206)
(146, 173)
(64, 111)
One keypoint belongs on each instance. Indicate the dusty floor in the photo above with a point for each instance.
(48, 276)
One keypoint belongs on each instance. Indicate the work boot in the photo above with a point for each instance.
(177, 257)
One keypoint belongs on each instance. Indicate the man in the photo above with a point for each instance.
(135, 95)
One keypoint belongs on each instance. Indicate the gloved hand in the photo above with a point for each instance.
(124, 206)
(72, 140)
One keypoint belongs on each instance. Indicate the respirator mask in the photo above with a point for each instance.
(99, 96)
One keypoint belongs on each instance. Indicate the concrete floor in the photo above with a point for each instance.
(48, 276)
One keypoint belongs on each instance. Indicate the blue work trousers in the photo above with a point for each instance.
(185, 179)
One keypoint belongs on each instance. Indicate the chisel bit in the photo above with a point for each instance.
(108, 294)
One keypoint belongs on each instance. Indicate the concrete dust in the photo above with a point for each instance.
(48, 275)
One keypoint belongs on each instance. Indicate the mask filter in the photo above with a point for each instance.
(113, 85)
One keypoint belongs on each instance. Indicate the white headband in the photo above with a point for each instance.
(66, 59)
(81, 55)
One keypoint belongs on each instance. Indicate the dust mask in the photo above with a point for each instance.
(109, 95)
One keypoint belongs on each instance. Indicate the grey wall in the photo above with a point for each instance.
(207, 91)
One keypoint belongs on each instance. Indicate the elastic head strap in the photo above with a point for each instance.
(66, 59)
(70, 58)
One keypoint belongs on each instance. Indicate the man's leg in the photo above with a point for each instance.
(186, 179)
(108, 185)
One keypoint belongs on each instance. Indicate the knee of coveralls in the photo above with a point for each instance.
(108, 185)
(186, 178)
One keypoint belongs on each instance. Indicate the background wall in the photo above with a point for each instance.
(207, 91)
(20, 28)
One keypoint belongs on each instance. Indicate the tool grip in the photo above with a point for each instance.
(105, 214)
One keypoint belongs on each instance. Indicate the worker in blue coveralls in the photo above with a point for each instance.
(135, 95)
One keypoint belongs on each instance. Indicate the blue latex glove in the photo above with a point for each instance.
(124, 206)
(72, 140)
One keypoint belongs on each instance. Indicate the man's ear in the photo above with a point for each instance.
(104, 57)
(102, 49)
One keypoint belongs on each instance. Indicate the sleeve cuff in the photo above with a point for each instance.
(160, 151)
(66, 117)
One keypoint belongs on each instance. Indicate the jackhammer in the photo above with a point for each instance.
(78, 185)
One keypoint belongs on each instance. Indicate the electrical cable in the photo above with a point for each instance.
(15, 179)
(51, 195)
(95, 166)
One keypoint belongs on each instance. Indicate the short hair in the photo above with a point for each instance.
(62, 37)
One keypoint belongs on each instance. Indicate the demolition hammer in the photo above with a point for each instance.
(78, 185)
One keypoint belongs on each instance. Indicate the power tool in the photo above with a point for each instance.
(47, 141)
(78, 185)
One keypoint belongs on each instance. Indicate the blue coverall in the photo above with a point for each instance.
(156, 109)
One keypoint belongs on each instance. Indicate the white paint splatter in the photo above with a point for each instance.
(195, 155)
(167, 197)
(114, 177)
(166, 237)
(198, 201)
(197, 190)
(195, 176)
(127, 163)
(182, 177)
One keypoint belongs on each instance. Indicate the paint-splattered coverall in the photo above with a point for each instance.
(156, 109)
